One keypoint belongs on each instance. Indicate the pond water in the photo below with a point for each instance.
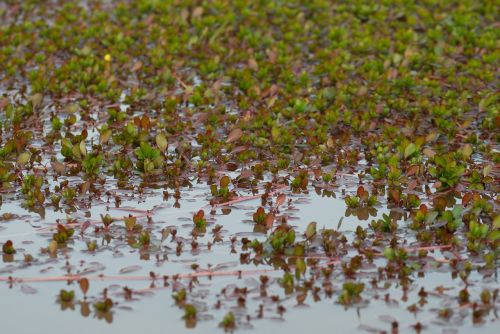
(152, 304)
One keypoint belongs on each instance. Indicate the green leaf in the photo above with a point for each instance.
(66, 148)
(494, 235)
(76, 152)
(161, 141)
(310, 230)
(36, 100)
(496, 222)
(487, 169)
(431, 217)
(467, 151)
(389, 253)
(83, 148)
(457, 211)
(410, 150)
(164, 234)
(23, 158)
(105, 135)
(300, 266)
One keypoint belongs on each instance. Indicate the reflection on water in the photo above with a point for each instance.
(137, 282)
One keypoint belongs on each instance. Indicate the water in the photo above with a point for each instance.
(153, 305)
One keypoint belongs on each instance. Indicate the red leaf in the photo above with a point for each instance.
(84, 226)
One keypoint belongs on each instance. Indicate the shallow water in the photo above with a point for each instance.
(153, 304)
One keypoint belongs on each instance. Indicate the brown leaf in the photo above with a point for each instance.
(269, 220)
(247, 116)
(428, 191)
(36, 100)
(301, 298)
(224, 182)
(145, 122)
(217, 85)
(431, 137)
(246, 173)
(201, 117)
(137, 66)
(317, 172)
(53, 247)
(273, 55)
(413, 169)
(273, 90)
(429, 152)
(362, 193)
(239, 149)
(395, 196)
(280, 200)
(4, 102)
(467, 198)
(412, 185)
(197, 12)
(234, 135)
(84, 285)
(252, 64)
(104, 137)
(84, 187)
